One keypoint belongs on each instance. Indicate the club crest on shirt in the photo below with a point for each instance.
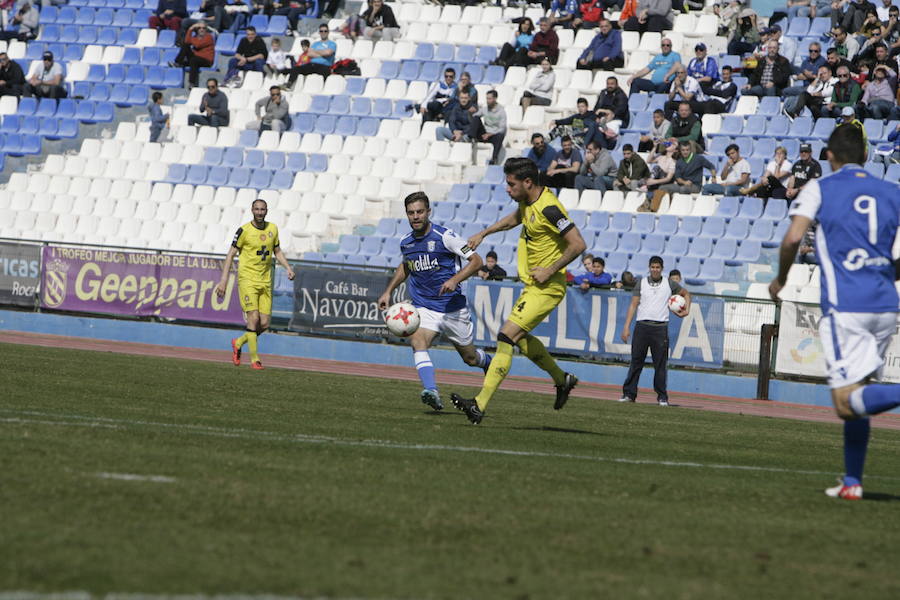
(431, 245)
(262, 237)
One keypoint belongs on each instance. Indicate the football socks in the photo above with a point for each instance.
(484, 359)
(537, 353)
(495, 375)
(874, 399)
(254, 348)
(425, 369)
(241, 340)
(856, 441)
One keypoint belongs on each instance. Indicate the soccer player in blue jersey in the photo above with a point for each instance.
(432, 263)
(858, 216)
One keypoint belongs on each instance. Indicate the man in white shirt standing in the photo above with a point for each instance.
(650, 300)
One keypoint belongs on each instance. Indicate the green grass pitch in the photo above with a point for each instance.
(305, 484)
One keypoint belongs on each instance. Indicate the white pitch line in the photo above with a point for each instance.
(223, 432)
(136, 477)
(25, 595)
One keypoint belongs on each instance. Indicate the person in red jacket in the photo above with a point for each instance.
(198, 50)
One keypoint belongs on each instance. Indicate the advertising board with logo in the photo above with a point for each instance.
(20, 273)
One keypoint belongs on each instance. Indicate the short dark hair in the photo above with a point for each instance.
(731, 147)
(417, 197)
(155, 96)
(674, 272)
(594, 143)
(251, 28)
(847, 145)
(252, 204)
(304, 43)
(612, 78)
(598, 259)
(659, 111)
(492, 93)
(449, 70)
(214, 80)
(582, 101)
(565, 138)
(276, 40)
(491, 254)
(628, 147)
(465, 74)
(534, 136)
(275, 87)
(522, 169)
(727, 68)
(655, 260)
(683, 103)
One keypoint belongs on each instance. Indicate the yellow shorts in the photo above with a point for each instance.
(535, 304)
(255, 296)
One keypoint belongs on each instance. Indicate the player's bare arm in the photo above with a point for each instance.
(508, 222)
(400, 275)
(626, 329)
(470, 269)
(788, 251)
(575, 246)
(226, 268)
(282, 260)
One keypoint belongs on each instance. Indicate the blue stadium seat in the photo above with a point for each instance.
(621, 221)
(731, 125)
(320, 104)
(667, 225)
(177, 173)
(31, 144)
(402, 110)
(239, 177)
(738, 228)
(751, 208)
(761, 230)
(134, 75)
(382, 107)
(713, 269)
(10, 124)
(598, 220)
(303, 122)
(801, 127)
(85, 16)
(749, 251)
(218, 176)
(797, 27)
(690, 226)
(122, 18)
(778, 126)
(296, 161)
(390, 69)
(84, 111)
(260, 179)
(729, 206)
(629, 242)
(892, 174)
(409, 70)
(755, 126)
(644, 223)
(689, 267)
(459, 192)
(103, 16)
(476, 73)
(638, 102)
(745, 144)
(87, 34)
(96, 74)
(876, 169)
(72, 52)
(608, 241)
(466, 54)
(386, 228)
(764, 147)
(431, 71)
(213, 156)
(640, 123)
(349, 244)
(232, 157)
(66, 14)
(138, 95)
(278, 24)
(345, 126)
(486, 55)
(493, 75)
(104, 112)
(325, 124)
(823, 128)
(260, 22)
(874, 129)
(443, 212)
(46, 107)
(66, 108)
(107, 37)
(616, 262)
(49, 15)
(254, 159)
(466, 212)
(50, 33)
(339, 105)
(713, 227)
(701, 247)
(653, 243)
(282, 180)
(29, 125)
(769, 105)
(718, 144)
(490, 214)
(725, 249)
(367, 127)
(424, 52)
(275, 160)
(225, 44)
(776, 209)
(317, 163)
(132, 56)
(118, 95)
(819, 26)
(197, 174)
(444, 53)
(371, 245)
(355, 86)
(115, 73)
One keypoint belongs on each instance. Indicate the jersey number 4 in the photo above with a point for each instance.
(521, 306)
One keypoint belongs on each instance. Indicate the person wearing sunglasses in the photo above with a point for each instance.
(846, 93)
(661, 69)
(322, 53)
(807, 71)
(213, 107)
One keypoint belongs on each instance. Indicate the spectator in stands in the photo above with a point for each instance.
(465, 85)
(215, 14)
(331, 8)
(541, 153)
(250, 55)
(581, 125)
(686, 126)
(685, 88)
(703, 68)
(845, 45)
(280, 62)
(675, 275)
(688, 172)
(273, 113)
(591, 14)
(458, 121)
(46, 79)
(490, 270)
(544, 43)
(321, 54)
(12, 79)
(889, 153)
(735, 174)
(438, 95)
(807, 72)
(565, 166)
(776, 175)
(746, 33)
(834, 61)
(158, 119)
(598, 171)
(168, 15)
(564, 13)
(604, 51)
(721, 94)
(878, 97)
(293, 10)
(663, 158)
(815, 96)
(597, 277)
(657, 132)
(539, 90)
(806, 254)
(771, 75)
(197, 51)
(845, 93)
(786, 45)
(524, 37)
(661, 68)
(802, 171)
(880, 55)
(489, 125)
(890, 32)
(24, 25)
(380, 22)
(633, 172)
(626, 282)
(870, 32)
(853, 17)
(612, 104)
(213, 107)
(652, 15)
(587, 259)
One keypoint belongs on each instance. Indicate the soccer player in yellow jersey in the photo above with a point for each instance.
(257, 242)
(548, 242)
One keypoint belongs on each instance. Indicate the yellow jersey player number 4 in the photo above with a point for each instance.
(255, 244)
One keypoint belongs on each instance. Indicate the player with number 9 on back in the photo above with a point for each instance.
(257, 242)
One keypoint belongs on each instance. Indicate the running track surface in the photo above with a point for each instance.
(594, 391)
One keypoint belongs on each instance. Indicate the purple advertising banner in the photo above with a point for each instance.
(137, 284)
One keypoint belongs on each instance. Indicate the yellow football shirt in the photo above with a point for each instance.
(256, 252)
(541, 242)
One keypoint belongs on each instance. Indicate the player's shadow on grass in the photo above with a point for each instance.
(558, 430)
(880, 497)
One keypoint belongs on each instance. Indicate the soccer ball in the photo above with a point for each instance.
(402, 319)
(676, 303)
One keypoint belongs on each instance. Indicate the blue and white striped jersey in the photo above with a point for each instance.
(858, 216)
(431, 260)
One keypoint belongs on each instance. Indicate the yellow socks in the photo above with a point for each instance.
(496, 374)
(241, 340)
(254, 349)
(537, 353)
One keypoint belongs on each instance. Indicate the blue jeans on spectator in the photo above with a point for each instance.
(823, 9)
(760, 91)
(445, 133)
(239, 22)
(794, 90)
(737, 47)
(593, 182)
(233, 67)
(645, 85)
(719, 189)
(880, 109)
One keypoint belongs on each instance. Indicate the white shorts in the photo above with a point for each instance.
(854, 345)
(456, 326)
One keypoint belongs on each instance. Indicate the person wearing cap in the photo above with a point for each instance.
(787, 46)
(735, 174)
(12, 79)
(661, 68)
(878, 97)
(490, 270)
(652, 15)
(46, 79)
(848, 119)
(24, 25)
(746, 33)
(814, 97)
(604, 51)
(703, 68)
(808, 70)
(802, 171)
(846, 94)
(771, 75)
